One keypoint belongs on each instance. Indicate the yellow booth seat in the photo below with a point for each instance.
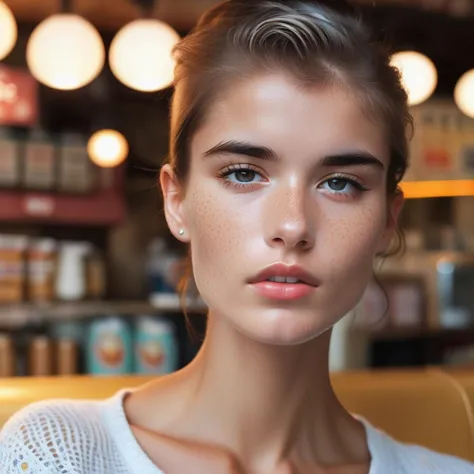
(431, 407)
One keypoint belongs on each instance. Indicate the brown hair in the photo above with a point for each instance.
(320, 41)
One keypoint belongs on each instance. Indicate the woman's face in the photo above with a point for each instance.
(285, 207)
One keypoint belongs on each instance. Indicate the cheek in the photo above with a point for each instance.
(354, 239)
(218, 235)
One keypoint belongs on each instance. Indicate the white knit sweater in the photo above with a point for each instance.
(89, 437)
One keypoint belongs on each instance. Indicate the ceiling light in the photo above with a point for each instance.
(140, 55)
(8, 30)
(65, 52)
(107, 148)
(464, 93)
(418, 74)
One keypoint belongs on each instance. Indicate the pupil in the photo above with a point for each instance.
(337, 184)
(245, 176)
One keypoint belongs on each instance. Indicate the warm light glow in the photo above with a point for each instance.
(432, 189)
(419, 75)
(107, 148)
(8, 30)
(464, 93)
(140, 55)
(65, 52)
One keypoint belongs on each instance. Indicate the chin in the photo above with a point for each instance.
(282, 326)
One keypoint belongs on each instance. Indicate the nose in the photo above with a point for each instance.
(289, 218)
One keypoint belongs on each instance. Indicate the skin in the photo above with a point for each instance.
(257, 399)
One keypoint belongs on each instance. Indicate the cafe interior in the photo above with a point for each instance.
(89, 272)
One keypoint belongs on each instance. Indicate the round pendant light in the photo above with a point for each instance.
(107, 148)
(464, 93)
(418, 74)
(140, 55)
(65, 52)
(8, 30)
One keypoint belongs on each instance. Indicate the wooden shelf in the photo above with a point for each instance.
(106, 208)
(18, 316)
(419, 333)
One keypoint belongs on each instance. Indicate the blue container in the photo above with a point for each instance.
(156, 347)
(109, 347)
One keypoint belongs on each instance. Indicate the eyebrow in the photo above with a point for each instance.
(351, 158)
(233, 147)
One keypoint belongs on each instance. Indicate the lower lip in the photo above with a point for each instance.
(283, 291)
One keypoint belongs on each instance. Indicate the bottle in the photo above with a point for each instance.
(95, 274)
(76, 173)
(156, 348)
(10, 169)
(164, 268)
(71, 284)
(109, 347)
(39, 162)
(12, 268)
(41, 263)
(66, 357)
(7, 356)
(40, 356)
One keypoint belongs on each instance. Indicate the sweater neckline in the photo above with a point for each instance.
(119, 429)
(138, 462)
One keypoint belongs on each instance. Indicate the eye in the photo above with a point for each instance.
(343, 185)
(338, 184)
(241, 175)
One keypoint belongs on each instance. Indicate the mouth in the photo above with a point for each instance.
(282, 279)
(283, 282)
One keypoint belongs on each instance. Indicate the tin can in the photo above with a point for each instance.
(7, 356)
(156, 347)
(40, 356)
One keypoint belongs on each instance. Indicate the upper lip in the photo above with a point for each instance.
(280, 269)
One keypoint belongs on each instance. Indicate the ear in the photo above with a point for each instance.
(395, 207)
(173, 203)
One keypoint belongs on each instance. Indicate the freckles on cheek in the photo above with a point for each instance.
(214, 228)
(204, 222)
(352, 240)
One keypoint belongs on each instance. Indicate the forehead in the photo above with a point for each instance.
(275, 111)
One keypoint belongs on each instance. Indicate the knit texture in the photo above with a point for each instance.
(89, 437)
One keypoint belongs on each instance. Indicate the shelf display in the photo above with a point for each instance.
(442, 152)
(9, 160)
(39, 162)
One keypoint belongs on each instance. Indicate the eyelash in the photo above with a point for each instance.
(226, 172)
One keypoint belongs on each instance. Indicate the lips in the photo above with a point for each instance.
(285, 274)
(281, 282)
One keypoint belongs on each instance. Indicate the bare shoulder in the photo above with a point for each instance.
(51, 437)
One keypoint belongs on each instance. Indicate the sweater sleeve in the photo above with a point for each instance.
(28, 443)
(55, 437)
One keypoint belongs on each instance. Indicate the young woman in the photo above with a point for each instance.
(288, 142)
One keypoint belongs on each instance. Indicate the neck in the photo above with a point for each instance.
(268, 403)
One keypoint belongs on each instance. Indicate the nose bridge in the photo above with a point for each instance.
(289, 220)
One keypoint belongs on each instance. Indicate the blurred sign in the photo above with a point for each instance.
(18, 97)
(39, 206)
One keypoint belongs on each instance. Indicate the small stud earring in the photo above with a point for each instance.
(181, 231)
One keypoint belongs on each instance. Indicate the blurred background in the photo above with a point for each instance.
(88, 270)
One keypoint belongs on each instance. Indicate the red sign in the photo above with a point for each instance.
(18, 97)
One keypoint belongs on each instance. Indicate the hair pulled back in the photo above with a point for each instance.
(314, 41)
